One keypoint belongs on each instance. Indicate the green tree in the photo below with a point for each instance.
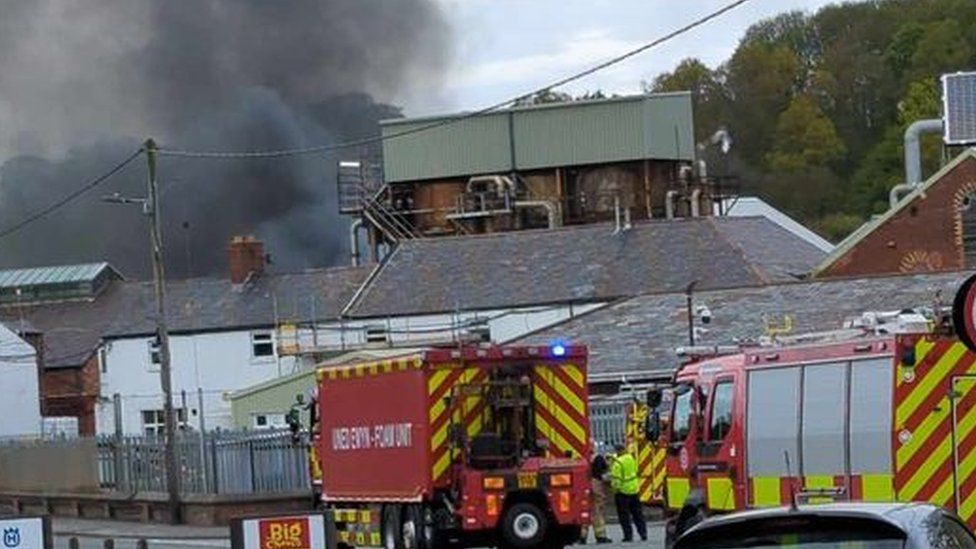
(805, 138)
(760, 81)
(883, 167)
(706, 91)
(942, 48)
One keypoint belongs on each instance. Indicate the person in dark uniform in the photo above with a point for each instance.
(599, 471)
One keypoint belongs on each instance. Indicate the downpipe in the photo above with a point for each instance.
(913, 157)
(354, 228)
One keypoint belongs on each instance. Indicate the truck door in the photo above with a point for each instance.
(682, 445)
(718, 457)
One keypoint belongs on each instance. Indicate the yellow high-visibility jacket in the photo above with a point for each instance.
(623, 474)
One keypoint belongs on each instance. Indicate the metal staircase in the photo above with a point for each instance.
(394, 226)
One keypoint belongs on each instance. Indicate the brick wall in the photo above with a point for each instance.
(925, 235)
(72, 392)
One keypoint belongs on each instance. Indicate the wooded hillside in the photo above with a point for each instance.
(817, 104)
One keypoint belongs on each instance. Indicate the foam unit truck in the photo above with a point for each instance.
(457, 446)
(881, 413)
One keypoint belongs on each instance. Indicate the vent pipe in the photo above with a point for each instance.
(552, 216)
(696, 203)
(669, 199)
(913, 156)
(354, 228)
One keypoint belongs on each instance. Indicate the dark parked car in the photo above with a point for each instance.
(857, 525)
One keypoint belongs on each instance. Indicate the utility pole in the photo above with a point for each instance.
(150, 207)
(689, 304)
(162, 334)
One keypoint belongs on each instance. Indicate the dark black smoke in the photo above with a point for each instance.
(82, 84)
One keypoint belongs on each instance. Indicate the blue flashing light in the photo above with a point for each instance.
(558, 350)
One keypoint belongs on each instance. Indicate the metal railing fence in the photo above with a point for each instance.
(219, 462)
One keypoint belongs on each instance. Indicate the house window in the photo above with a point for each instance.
(154, 421)
(268, 421)
(377, 334)
(154, 358)
(262, 345)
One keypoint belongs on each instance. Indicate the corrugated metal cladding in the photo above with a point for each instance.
(657, 126)
(39, 276)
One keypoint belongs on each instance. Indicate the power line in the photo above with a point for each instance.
(455, 119)
(70, 197)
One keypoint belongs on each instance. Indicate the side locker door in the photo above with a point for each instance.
(964, 446)
(717, 468)
(823, 444)
(772, 433)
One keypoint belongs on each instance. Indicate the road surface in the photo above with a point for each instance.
(655, 540)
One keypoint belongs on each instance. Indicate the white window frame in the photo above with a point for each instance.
(272, 420)
(376, 333)
(261, 338)
(158, 424)
(154, 357)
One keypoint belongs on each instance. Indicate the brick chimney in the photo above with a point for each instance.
(245, 256)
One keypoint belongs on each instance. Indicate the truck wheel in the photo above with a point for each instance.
(392, 527)
(418, 528)
(524, 525)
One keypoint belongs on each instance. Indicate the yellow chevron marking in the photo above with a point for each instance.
(967, 506)
(568, 394)
(926, 470)
(927, 384)
(474, 427)
(922, 433)
(575, 374)
(562, 417)
(553, 435)
(441, 465)
(922, 349)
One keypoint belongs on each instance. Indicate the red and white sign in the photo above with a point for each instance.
(964, 313)
(284, 532)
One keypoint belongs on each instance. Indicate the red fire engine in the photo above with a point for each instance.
(477, 445)
(856, 415)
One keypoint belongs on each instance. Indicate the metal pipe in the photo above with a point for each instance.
(913, 147)
(895, 195)
(669, 198)
(354, 241)
(551, 214)
(616, 214)
(696, 203)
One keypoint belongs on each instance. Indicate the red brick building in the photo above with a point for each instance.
(932, 229)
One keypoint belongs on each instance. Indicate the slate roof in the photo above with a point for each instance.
(73, 330)
(639, 335)
(582, 263)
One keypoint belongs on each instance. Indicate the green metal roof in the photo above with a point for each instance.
(653, 126)
(62, 274)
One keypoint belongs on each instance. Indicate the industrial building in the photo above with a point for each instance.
(529, 167)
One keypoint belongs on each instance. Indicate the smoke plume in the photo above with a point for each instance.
(83, 83)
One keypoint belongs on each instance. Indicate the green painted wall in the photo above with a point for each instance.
(658, 126)
(275, 396)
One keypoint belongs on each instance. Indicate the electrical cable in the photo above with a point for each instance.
(70, 197)
(459, 118)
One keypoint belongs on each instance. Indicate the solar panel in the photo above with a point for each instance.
(959, 98)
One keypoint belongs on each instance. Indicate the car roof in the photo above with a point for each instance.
(900, 515)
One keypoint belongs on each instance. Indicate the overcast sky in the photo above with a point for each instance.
(507, 47)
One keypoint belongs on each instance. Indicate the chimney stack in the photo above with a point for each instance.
(245, 256)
